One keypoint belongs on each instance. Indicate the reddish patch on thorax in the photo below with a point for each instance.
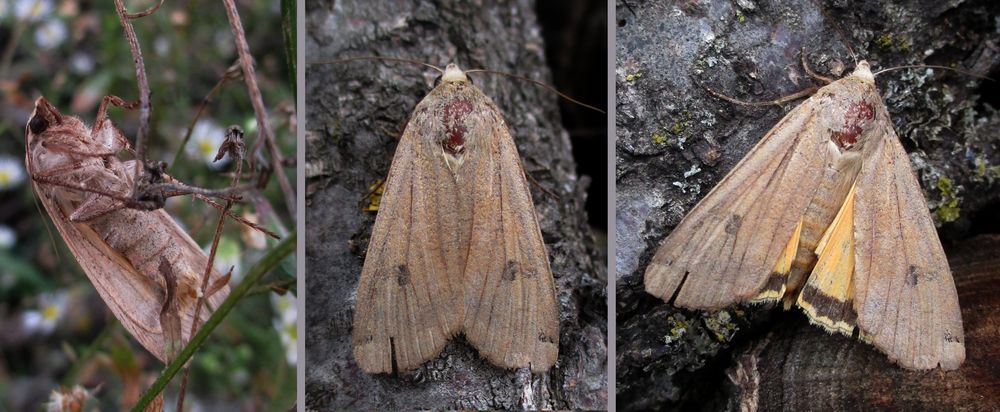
(454, 125)
(858, 113)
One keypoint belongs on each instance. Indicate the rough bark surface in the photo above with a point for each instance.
(675, 142)
(784, 370)
(354, 113)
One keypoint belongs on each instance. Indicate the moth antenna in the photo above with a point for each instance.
(391, 59)
(538, 83)
(840, 33)
(933, 66)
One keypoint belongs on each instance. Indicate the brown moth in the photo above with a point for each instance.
(456, 245)
(146, 268)
(825, 212)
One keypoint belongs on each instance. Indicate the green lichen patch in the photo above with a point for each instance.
(721, 325)
(947, 210)
(893, 42)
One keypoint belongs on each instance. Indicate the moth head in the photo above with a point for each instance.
(864, 72)
(43, 117)
(452, 74)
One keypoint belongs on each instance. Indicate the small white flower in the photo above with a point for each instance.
(285, 321)
(52, 306)
(8, 237)
(11, 172)
(62, 400)
(32, 10)
(50, 34)
(206, 138)
(81, 63)
(161, 46)
(250, 125)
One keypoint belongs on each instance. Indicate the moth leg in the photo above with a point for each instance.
(776, 102)
(828, 295)
(814, 75)
(102, 110)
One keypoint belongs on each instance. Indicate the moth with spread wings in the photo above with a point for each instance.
(456, 245)
(824, 212)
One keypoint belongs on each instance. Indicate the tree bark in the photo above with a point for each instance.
(675, 142)
(355, 111)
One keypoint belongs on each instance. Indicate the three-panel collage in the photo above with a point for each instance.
(319, 205)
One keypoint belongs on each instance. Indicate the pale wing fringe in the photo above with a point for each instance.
(905, 298)
(707, 267)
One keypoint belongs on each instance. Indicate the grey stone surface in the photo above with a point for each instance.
(675, 142)
(354, 113)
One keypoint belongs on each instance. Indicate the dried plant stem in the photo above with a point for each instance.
(263, 123)
(264, 266)
(145, 107)
(234, 145)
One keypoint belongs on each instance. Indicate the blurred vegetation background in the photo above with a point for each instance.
(55, 331)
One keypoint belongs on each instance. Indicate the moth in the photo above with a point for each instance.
(147, 269)
(456, 246)
(825, 213)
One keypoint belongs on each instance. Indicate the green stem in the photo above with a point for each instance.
(265, 265)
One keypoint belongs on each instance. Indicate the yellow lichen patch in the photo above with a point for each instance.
(375, 196)
(832, 278)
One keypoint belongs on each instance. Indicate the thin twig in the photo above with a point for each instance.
(146, 12)
(145, 107)
(234, 146)
(263, 266)
(266, 134)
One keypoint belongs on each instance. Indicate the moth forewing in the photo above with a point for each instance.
(121, 250)
(835, 156)
(456, 245)
(906, 300)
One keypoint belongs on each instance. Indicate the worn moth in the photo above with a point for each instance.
(824, 212)
(146, 268)
(456, 245)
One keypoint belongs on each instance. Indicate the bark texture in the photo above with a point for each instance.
(675, 142)
(783, 370)
(354, 113)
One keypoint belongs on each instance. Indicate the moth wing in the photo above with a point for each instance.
(408, 296)
(905, 297)
(131, 296)
(724, 250)
(510, 307)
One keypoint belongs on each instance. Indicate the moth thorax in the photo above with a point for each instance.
(854, 120)
(455, 126)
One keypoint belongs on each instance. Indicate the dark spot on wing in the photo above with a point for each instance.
(402, 275)
(912, 277)
(510, 271)
(734, 223)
